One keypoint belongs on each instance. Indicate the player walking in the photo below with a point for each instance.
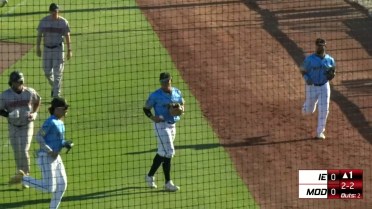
(53, 28)
(19, 104)
(51, 138)
(317, 69)
(165, 129)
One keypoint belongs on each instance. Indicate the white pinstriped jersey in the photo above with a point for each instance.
(10, 101)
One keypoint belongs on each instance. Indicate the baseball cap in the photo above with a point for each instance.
(320, 42)
(165, 77)
(59, 102)
(53, 7)
(16, 76)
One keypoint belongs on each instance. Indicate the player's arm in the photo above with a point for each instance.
(304, 72)
(68, 43)
(40, 138)
(38, 43)
(147, 110)
(3, 111)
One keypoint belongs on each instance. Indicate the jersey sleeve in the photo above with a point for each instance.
(306, 65)
(150, 102)
(66, 30)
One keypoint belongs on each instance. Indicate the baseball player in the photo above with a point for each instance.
(20, 104)
(51, 139)
(317, 69)
(53, 28)
(165, 129)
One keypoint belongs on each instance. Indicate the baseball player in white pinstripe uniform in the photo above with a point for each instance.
(165, 128)
(19, 104)
(53, 28)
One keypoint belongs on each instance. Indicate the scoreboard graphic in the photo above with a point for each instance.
(330, 184)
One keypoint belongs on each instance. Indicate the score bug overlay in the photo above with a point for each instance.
(330, 184)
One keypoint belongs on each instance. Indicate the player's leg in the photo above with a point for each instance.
(61, 184)
(171, 130)
(48, 65)
(323, 107)
(58, 67)
(311, 100)
(26, 134)
(48, 168)
(15, 142)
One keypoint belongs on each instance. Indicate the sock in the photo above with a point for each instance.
(167, 168)
(155, 164)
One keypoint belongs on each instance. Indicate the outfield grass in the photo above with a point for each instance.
(116, 62)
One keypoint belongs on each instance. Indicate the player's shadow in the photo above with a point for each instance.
(248, 141)
(88, 196)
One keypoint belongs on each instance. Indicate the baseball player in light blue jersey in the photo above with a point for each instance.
(317, 69)
(53, 29)
(51, 139)
(165, 128)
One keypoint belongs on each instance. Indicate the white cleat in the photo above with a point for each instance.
(320, 136)
(150, 180)
(170, 187)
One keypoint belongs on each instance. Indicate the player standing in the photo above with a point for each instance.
(53, 28)
(20, 104)
(165, 129)
(51, 139)
(317, 69)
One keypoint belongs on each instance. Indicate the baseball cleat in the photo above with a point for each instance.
(17, 179)
(150, 180)
(170, 187)
(320, 136)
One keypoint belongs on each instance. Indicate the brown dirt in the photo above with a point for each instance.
(241, 58)
(10, 53)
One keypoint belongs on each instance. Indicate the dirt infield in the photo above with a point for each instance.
(241, 58)
(10, 53)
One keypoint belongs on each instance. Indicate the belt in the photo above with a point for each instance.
(53, 47)
(170, 122)
(19, 126)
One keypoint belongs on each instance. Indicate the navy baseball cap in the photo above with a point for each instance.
(59, 102)
(53, 7)
(165, 77)
(320, 42)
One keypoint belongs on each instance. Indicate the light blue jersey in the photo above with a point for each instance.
(160, 100)
(316, 68)
(53, 133)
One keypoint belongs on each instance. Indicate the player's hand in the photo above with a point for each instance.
(38, 52)
(157, 119)
(32, 116)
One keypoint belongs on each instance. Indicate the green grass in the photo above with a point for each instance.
(116, 62)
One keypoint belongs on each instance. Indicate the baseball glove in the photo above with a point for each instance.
(331, 73)
(175, 109)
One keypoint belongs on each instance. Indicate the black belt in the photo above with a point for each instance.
(319, 84)
(53, 47)
(170, 122)
(19, 126)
